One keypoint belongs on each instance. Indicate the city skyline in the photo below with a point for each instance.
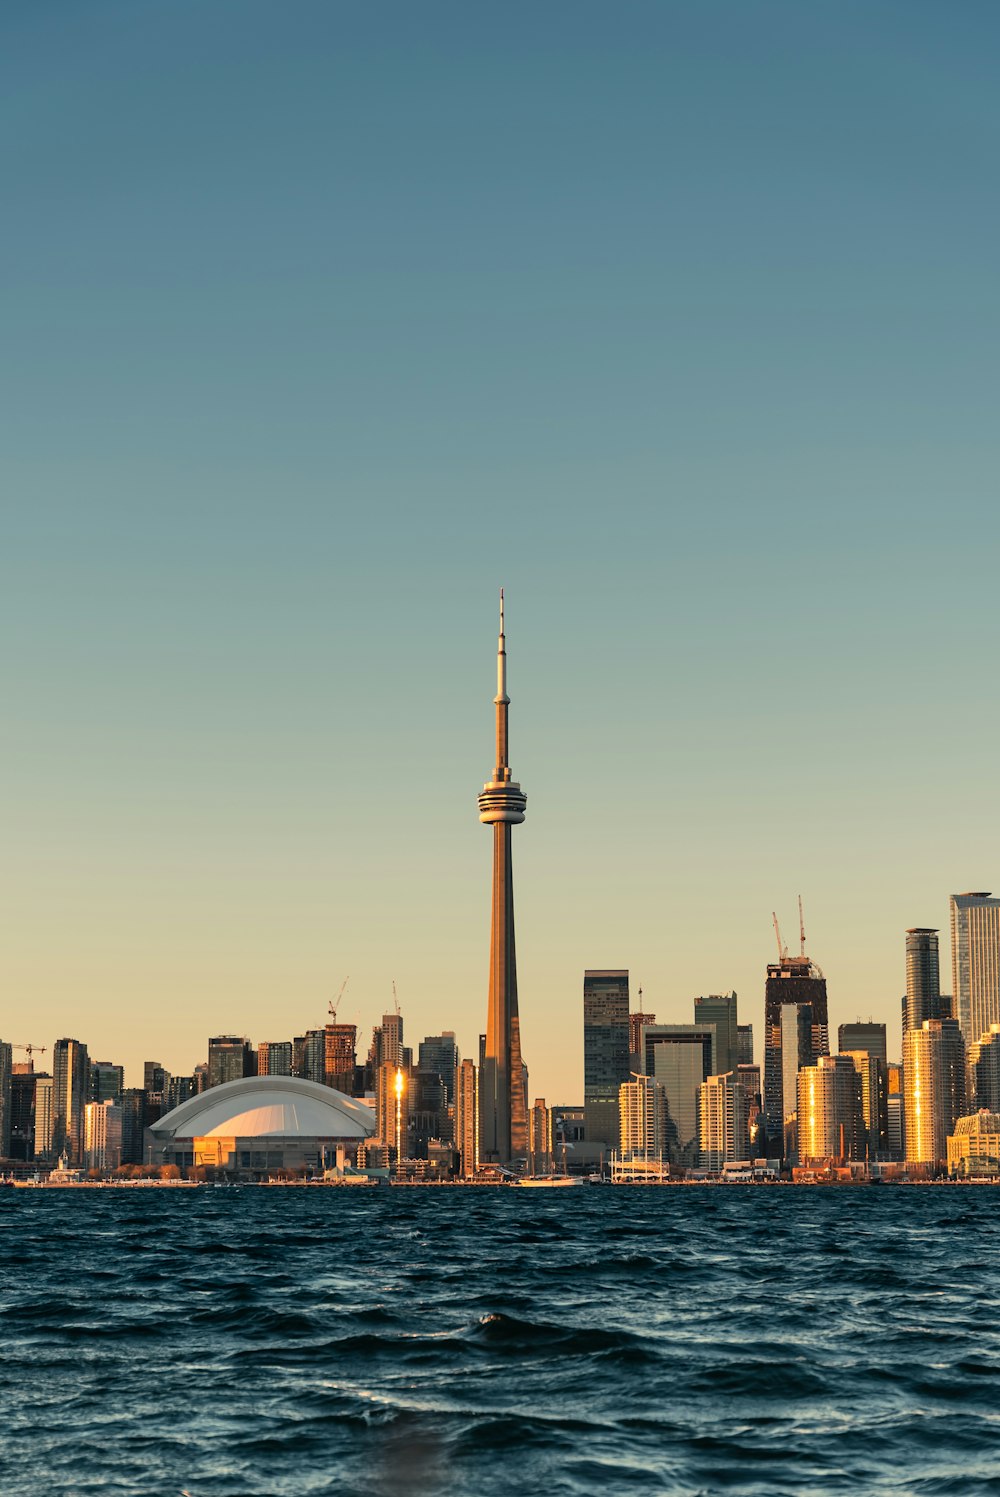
(717, 379)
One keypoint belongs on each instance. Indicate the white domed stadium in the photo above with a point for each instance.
(262, 1123)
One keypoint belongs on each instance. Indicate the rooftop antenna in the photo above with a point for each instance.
(802, 930)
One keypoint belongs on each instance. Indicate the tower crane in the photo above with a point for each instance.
(336, 1002)
(30, 1049)
(782, 950)
(394, 998)
(802, 930)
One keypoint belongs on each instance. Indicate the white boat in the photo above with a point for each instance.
(545, 1181)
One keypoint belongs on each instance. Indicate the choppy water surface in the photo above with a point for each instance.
(289, 1341)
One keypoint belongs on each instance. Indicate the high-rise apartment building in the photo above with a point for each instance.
(933, 1089)
(923, 977)
(467, 1116)
(437, 1055)
(975, 963)
(894, 1109)
(863, 1035)
(155, 1079)
(605, 1051)
(23, 1083)
(744, 1045)
(45, 1118)
(722, 1121)
(720, 1010)
(6, 1074)
(643, 1119)
(102, 1142)
(274, 1058)
(230, 1058)
(133, 1111)
(829, 1121)
(792, 980)
(71, 1078)
(503, 1081)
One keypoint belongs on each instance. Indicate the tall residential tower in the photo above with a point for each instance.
(503, 1087)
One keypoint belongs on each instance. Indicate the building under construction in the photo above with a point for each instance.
(790, 980)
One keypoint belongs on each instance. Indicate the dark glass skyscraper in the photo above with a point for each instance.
(923, 977)
(70, 1085)
(605, 1052)
(795, 979)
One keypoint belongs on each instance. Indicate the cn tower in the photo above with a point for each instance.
(503, 1087)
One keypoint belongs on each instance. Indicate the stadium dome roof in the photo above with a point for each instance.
(267, 1107)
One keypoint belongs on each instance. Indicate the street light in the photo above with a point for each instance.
(399, 1115)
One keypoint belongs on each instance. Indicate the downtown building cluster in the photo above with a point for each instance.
(669, 1099)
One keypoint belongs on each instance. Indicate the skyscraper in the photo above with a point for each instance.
(933, 1088)
(830, 1122)
(71, 1077)
(605, 1051)
(720, 1010)
(796, 1052)
(984, 1071)
(339, 1056)
(744, 1044)
(636, 1025)
(503, 1089)
(874, 1100)
(975, 963)
(6, 1073)
(274, 1058)
(923, 977)
(230, 1058)
(467, 1116)
(792, 979)
(643, 1118)
(680, 1057)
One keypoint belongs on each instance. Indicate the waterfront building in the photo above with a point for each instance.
(636, 1027)
(6, 1074)
(872, 1074)
(975, 963)
(437, 1055)
(792, 980)
(257, 1124)
(23, 1085)
(605, 1051)
(722, 1121)
(984, 1071)
(503, 1085)
(133, 1110)
(102, 1136)
(933, 1089)
(467, 1116)
(643, 1118)
(744, 1045)
(720, 1009)
(829, 1118)
(974, 1146)
(863, 1035)
(45, 1117)
(386, 1109)
(230, 1058)
(340, 1043)
(680, 1057)
(71, 1077)
(923, 978)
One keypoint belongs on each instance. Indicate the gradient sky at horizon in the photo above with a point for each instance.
(323, 321)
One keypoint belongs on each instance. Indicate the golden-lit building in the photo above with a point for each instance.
(933, 1089)
(830, 1124)
(722, 1121)
(539, 1138)
(974, 1147)
(643, 1118)
(467, 1116)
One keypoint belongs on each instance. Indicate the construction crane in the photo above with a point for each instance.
(394, 998)
(336, 1002)
(782, 950)
(802, 930)
(30, 1049)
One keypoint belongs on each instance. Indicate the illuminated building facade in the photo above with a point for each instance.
(722, 1121)
(933, 1089)
(829, 1118)
(975, 963)
(642, 1107)
(793, 980)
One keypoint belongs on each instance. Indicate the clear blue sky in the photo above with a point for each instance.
(321, 321)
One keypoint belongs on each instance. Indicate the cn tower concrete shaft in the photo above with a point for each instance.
(503, 1090)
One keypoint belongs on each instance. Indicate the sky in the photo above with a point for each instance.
(321, 323)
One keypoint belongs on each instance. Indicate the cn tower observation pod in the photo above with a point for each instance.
(260, 1123)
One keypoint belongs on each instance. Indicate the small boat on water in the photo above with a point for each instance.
(546, 1181)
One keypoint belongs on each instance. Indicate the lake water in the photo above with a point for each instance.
(427, 1341)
